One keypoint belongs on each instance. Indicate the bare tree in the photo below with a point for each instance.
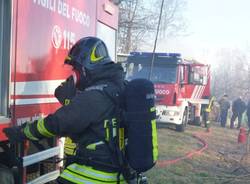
(231, 74)
(173, 23)
(138, 22)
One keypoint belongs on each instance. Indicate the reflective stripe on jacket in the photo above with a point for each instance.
(209, 107)
(76, 173)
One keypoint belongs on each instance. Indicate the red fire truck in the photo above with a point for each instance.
(182, 87)
(35, 36)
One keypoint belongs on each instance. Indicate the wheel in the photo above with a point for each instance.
(181, 127)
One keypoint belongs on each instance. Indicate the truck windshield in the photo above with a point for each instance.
(160, 74)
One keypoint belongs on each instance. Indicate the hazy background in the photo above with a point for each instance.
(212, 25)
(215, 32)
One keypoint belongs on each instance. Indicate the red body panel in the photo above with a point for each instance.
(172, 94)
(44, 36)
(165, 93)
(42, 33)
(33, 111)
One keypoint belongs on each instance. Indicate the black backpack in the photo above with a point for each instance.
(135, 141)
(139, 119)
(132, 134)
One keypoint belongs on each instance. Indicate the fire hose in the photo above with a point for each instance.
(189, 155)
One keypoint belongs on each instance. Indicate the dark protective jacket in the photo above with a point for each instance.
(224, 104)
(238, 106)
(83, 120)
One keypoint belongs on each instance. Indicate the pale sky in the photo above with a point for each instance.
(212, 24)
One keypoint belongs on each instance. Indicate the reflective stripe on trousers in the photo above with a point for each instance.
(81, 174)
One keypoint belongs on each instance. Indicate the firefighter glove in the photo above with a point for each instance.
(15, 134)
(66, 91)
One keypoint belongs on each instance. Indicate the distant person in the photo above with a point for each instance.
(238, 109)
(209, 113)
(224, 106)
(216, 111)
(248, 113)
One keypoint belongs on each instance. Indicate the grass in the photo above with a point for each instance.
(209, 168)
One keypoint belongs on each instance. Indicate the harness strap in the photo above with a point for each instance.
(94, 163)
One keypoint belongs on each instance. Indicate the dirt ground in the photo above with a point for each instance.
(225, 161)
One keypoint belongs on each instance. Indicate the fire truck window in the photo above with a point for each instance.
(182, 74)
(198, 75)
(197, 78)
(5, 22)
(205, 80)
(160, 74)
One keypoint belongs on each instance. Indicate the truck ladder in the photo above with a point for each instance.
(40, 156)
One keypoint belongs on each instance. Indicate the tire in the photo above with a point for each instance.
(182, 127)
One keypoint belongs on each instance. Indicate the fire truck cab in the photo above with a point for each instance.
(182, 87)
(35, 36)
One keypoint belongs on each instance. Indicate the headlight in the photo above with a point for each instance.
(160, 109)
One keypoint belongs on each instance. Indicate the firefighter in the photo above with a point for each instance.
(238, 109)
(84, 118)
(224, 106)
(208, 114)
